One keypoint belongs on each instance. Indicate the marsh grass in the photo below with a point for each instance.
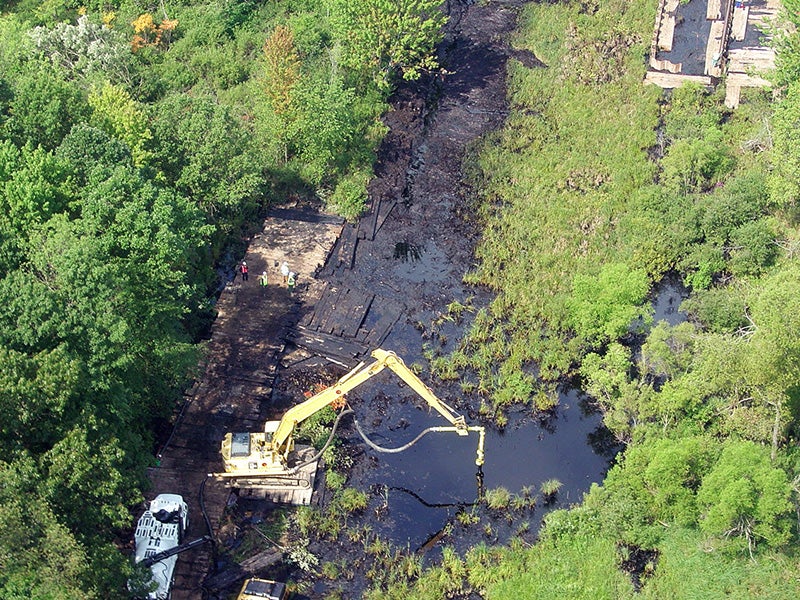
(559, 189)
(498, 498)
(549, 488)
(352, 500)
(467, 517)
(334, 480)
(330, 570)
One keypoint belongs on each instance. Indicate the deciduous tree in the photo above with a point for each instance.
(45, 106)
(384, 38)
(116, 113)
(604, 307)
(745, 497)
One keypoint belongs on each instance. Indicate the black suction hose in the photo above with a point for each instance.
(402, 448)
(317, 456)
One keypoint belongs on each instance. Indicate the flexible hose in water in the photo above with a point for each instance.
(368, 441)
(317, 456)
(378, 448)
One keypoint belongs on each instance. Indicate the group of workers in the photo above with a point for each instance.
(289, 276)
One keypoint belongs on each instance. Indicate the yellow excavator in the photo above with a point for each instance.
(268, 462)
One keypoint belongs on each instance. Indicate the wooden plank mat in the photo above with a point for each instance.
(665, 65)
(674, 80)
(385, 210)
(380, 321)
(340, 311)
(761, 14)
(324, 344)
(666, 32)
(732, 93)
(746, 59)
(357, 305)
(714, 49)
(739, 22)
(746, 80)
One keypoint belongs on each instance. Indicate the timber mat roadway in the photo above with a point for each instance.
(234, 391)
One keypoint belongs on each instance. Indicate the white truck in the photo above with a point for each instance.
(159, 530)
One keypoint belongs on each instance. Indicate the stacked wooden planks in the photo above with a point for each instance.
(739, 27)
(715, 48)
(714, 10)
(666, 33)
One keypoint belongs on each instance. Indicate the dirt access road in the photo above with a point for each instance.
(410, 253)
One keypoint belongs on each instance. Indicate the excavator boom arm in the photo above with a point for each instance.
(383, 358)
(297, 414)
(396, 364)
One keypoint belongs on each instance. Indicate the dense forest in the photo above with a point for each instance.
(140, 141)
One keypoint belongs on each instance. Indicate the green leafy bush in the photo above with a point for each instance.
(605, 306)
(720, 309)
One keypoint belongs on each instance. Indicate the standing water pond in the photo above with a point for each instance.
(417, 492)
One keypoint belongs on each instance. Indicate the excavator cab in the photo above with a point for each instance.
(263, 589)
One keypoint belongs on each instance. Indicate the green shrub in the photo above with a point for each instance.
(753, 248)
(334, 480)
(603, 307)
(330, 570)
(349, 198)
(693, 164)
(352, 500)
(719, 309)
(702, 265)
(743, 199)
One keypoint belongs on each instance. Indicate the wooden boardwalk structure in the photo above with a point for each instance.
(234, 390)
(730, 22)
(747, 65)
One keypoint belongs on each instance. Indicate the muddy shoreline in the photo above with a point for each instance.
(413, 260)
